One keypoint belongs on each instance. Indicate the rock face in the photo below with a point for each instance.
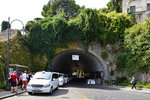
(143, 77)
(108, 64)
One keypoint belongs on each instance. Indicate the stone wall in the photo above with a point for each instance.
(96, 50)
(108, 64)
(143, 77)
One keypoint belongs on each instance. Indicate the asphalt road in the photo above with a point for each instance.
(80, 91)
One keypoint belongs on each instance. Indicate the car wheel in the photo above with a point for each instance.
(57, 87)
(51, 91)
(30, 93)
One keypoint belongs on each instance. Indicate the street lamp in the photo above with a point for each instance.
(9, 33)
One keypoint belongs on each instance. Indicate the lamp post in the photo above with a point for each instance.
(9, 33)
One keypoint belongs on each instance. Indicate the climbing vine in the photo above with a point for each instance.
(137, 41)
(114, 5)
(135, 56)
(46, 34)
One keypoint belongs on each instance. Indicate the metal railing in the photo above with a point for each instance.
(141, 9)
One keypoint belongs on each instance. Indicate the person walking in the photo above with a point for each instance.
(14, 82)
(24, 80)
(20, 80)
(133, 81)
(29, 76)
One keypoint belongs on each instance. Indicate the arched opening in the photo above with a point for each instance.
(84, 65)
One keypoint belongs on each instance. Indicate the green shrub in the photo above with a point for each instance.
(2, 85)
(111, 72)
(104, 55)
(125, 84)
(121, 80)
(148, 86)
(140, 86)
(107, 81)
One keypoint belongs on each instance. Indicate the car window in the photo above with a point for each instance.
(60, 75)
(41, 75)
(55, 76)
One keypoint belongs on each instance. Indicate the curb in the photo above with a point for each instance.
(6, 96)
(141, 90)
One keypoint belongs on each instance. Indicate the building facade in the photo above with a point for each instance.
(141, 8)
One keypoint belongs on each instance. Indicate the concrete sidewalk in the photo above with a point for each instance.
(5, 94)
(142, 90)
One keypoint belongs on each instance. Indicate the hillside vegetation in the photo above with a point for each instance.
(19, 54)
(58, 28)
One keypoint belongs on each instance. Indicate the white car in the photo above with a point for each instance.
(43, 82)
(66, 79)
(61, 79)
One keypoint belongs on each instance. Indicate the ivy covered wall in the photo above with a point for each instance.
(49, 33)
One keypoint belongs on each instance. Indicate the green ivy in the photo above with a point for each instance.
(137, 41)
(112, 72)
(114, 5)
(46, 34)
(104, 55)
(135, 56)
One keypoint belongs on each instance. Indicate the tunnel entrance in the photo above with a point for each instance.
(78, 65)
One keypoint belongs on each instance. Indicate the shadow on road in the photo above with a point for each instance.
(60, 92)
(55, 93)
(81, 83)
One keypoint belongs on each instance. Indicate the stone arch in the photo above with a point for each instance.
(92, 61)
(104, 65)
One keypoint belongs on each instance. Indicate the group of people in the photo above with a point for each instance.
(21, 80)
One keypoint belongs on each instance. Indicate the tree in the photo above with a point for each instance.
(44, 34)
(54, 7)
(114, 5)
(4, 25)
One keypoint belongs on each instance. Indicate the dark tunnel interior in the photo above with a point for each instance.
(87, 62)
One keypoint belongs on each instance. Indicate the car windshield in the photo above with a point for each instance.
(60, 75)
(42, 75)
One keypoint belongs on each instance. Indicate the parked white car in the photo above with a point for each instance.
(66, 79)
(43, 82)
(61, 79)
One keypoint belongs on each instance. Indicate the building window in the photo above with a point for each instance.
(132, 8)
(148, 7)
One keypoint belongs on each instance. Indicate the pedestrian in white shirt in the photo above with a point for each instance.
(24, 80)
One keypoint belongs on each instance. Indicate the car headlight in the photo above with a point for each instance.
(61, 80)
(29, 85)
(47, 85)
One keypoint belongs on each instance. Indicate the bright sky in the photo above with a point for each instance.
(26, 10)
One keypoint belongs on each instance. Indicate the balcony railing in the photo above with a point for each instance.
(140, 9)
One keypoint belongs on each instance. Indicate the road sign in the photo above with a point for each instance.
(75, 57)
